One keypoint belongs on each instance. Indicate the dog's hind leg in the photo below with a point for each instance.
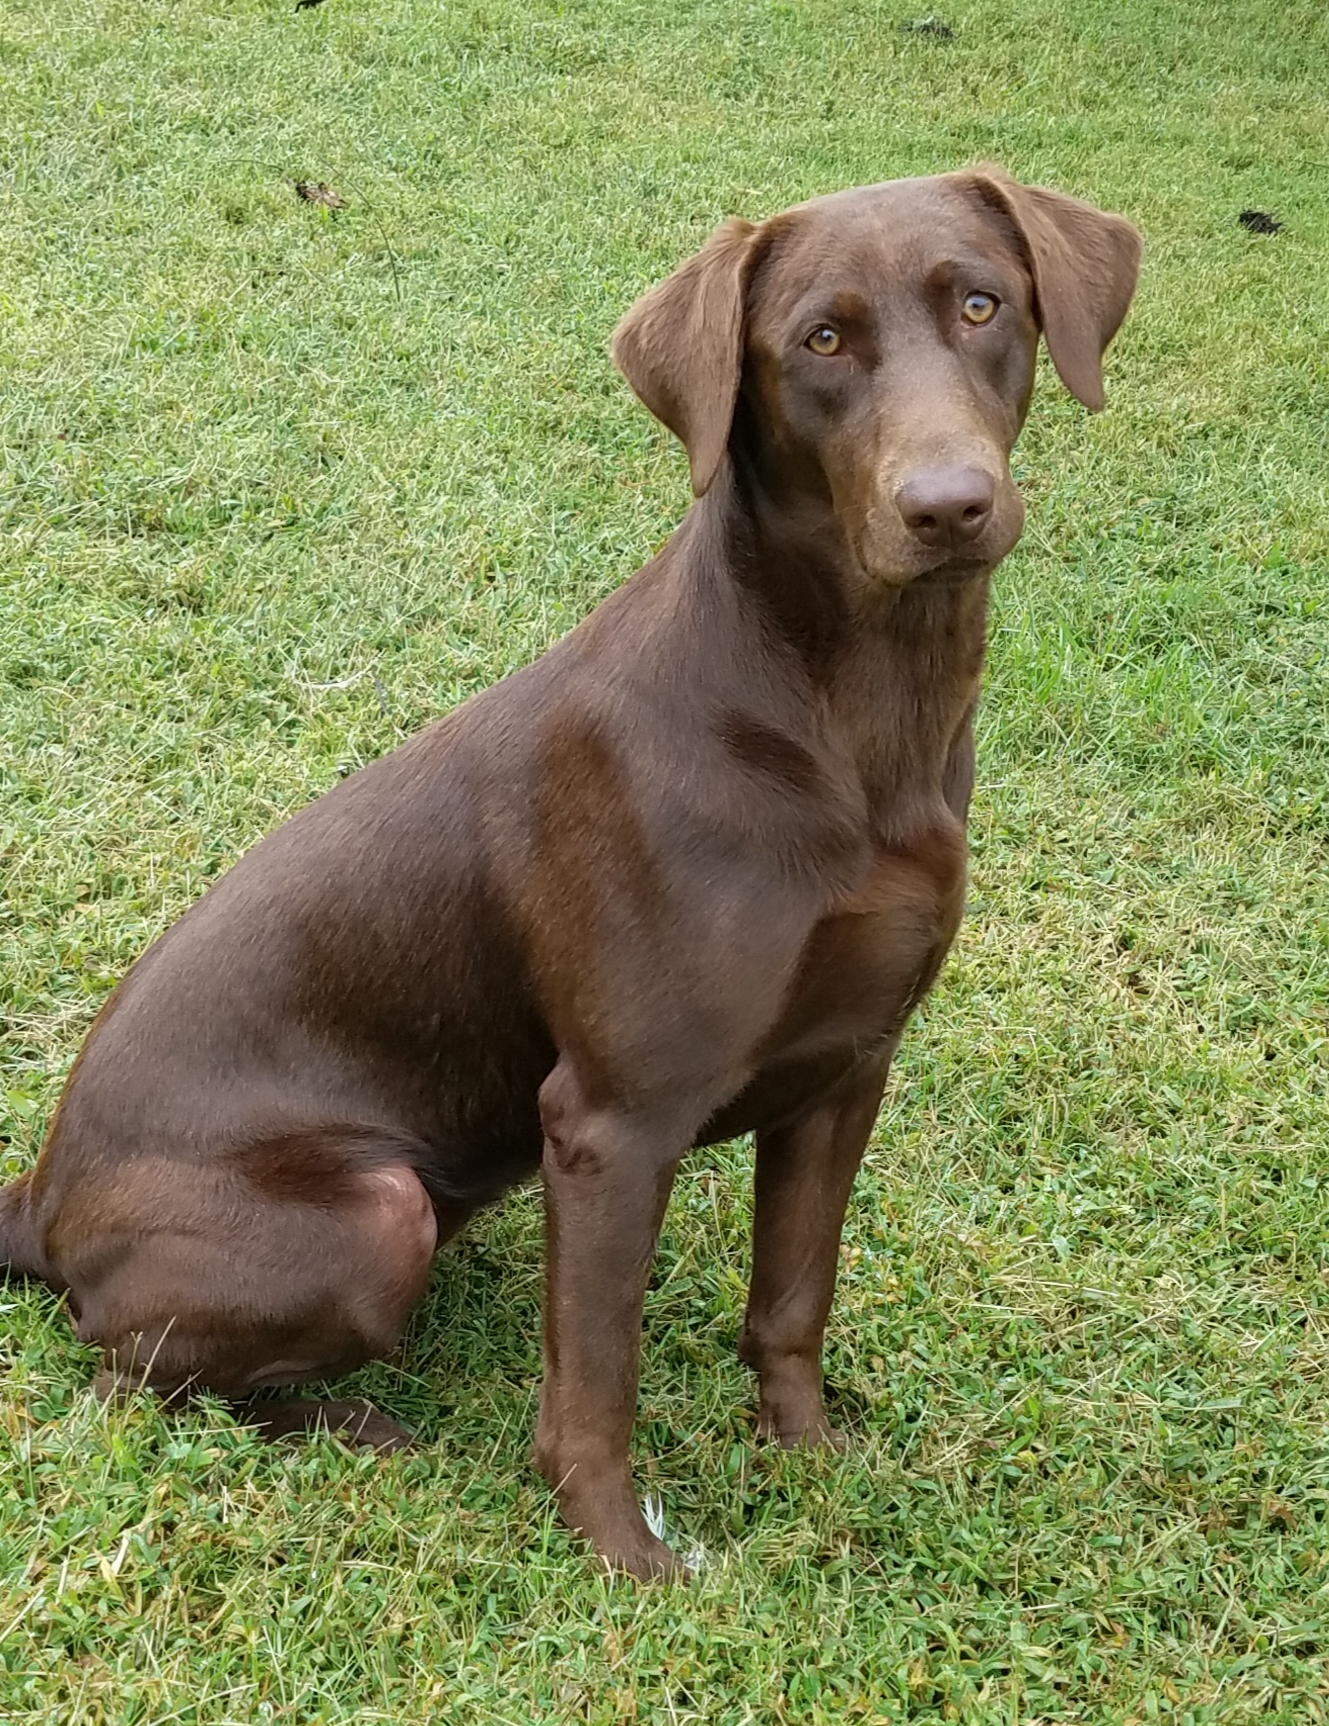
(252, 1291)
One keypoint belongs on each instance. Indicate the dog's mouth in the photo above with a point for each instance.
(955, 571)
(889, 555)
(914, 566)
(892, 554)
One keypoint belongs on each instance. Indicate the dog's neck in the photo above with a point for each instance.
(895, 669)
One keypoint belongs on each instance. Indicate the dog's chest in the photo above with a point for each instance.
(865, 962)
(863, 967)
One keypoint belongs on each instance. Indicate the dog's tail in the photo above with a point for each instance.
(21, 1252)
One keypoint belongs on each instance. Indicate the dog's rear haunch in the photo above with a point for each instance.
(684, 877)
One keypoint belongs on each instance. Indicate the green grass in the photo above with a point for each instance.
(278, 486)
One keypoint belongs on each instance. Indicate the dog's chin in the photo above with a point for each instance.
(940, 569)
(956, 572)
(892, 562)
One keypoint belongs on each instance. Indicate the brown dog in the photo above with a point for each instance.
(683, 878)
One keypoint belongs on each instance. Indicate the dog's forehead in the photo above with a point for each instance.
(897, 227)
(894, 206)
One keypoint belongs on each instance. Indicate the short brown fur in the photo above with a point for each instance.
(684, 877)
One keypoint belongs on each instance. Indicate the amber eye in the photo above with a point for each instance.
(824, 340)
(979, 308)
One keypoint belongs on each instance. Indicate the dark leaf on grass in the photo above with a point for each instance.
(1258, 222)
(318, 192)
(929, 26)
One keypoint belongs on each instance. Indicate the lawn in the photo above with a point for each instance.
(280, 483)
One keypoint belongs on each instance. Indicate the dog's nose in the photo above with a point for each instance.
(947, 506)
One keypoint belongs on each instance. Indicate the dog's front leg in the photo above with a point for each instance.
(805, 1170)
(607, 1176)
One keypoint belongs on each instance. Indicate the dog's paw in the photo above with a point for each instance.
(822, 1436)
(647, 1558)
(357, 1423)
(814, 1432)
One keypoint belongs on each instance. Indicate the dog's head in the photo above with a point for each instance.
(874, 349)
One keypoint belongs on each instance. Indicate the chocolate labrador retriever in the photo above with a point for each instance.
(684, 877)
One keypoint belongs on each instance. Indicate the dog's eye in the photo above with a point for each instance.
(980, 308)
(824, 340)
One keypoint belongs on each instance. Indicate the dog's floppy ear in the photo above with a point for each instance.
(681, 347)
(1084, 264)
